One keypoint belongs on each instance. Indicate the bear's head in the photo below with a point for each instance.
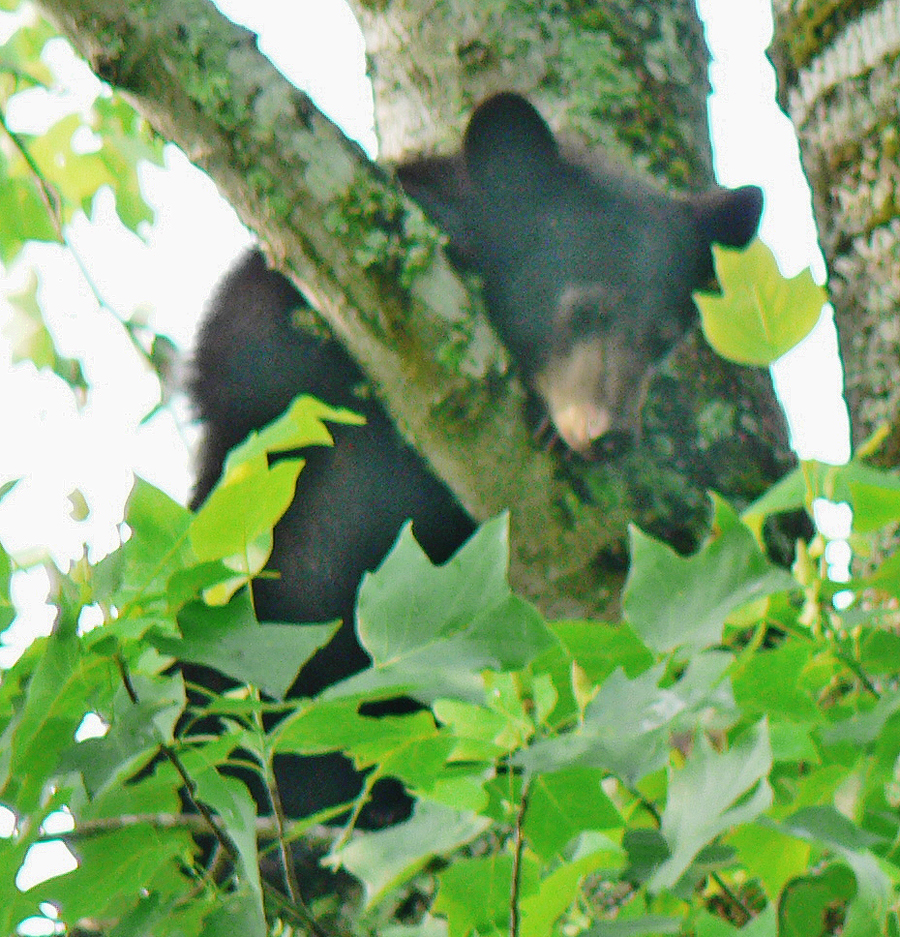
(588, 271)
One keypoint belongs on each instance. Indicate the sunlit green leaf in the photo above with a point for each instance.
(770, 855)
(564, 804)
(474, 894)
(31, 340)
(760, 314)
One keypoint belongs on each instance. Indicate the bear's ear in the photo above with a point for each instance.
(729, 216)
(508, 144)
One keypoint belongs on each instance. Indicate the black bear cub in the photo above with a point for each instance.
(587, 274)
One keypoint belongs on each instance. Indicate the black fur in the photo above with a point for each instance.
(588, 276)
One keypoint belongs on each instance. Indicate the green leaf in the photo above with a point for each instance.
(862, 728)
(809, 905)
(302, 424)
(236, 520)
(474, 894)
(78, 174)
(15, 906)
(770, 855)
(765, 924)
(7, 610)
(673, 601)
(231, 640)
(236, 913)
(21, 52)
(558, 890)
(627, 727)
(137, 574)
(126, 141)
(25, 218)
(408, 747)
(874, 496)
(58, 696)
(879, 650)
(599, 647)
(136, 729)
(789, 493)
(434, 629)
(760, 314)
(382, 859)
(564, 804)
(479, 732)
(235, 523)
(707, 796)
(236, 812)
(136, 859)
(31, 340)
(772, 681)
(875, 898)
(649, 926)
(827, 826)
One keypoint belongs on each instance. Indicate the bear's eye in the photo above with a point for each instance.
(580, 311)
(584, 309)
(584, 317)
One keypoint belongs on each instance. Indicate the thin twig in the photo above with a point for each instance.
(733, 898)
(189, 785)
(517, 866)
(290, 876)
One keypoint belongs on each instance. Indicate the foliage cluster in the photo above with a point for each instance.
(726, 757)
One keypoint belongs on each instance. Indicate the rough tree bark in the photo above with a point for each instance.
(335, 223)
(838, 66)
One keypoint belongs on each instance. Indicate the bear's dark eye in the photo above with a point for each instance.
(584, 317)
(583, 310)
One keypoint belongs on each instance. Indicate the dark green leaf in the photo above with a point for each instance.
(57, 698)
(708, 795)
(389, 856)
(825, 825)
(136, 729)
(231, 640)
(236, 812)
(625, 731)
(811, 906)
(434, 629)
(673, 601)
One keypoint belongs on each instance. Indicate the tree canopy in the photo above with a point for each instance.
(715, 753)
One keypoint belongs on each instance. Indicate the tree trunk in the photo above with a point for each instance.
(838, 65)
(338, 227)
(630, 77)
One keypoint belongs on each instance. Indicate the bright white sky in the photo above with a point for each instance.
(56, 448)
